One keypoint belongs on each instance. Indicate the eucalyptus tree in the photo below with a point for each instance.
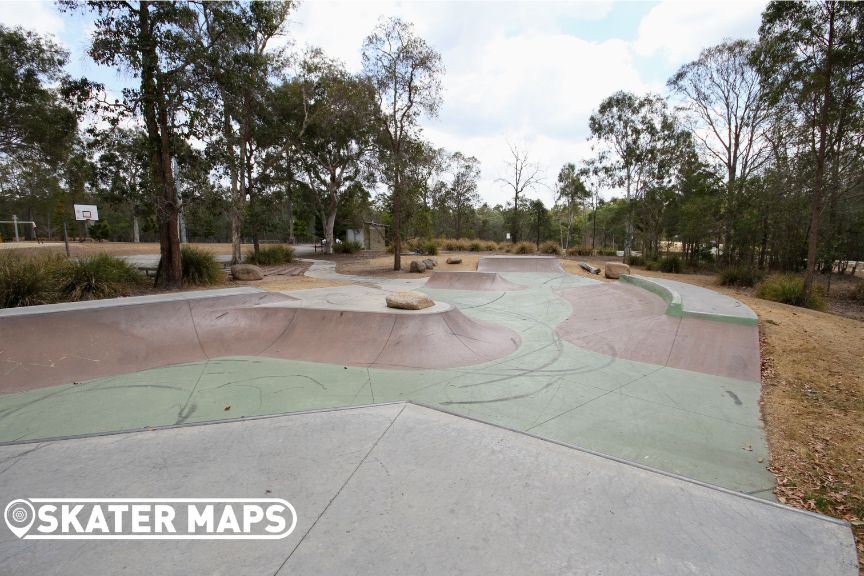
(724, 108)
(811, 59)
(159, 44)
(637, 145)
(242, 60)
(460, 195)
(406, 73)
(571, 194)
(332, 118)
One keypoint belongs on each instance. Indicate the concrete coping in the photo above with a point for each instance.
(677, 303)
(126, 301)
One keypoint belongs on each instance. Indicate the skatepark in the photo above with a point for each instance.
(552, 415)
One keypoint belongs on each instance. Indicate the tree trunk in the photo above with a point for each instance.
(290, 217)
(136, 229)
(236, 197)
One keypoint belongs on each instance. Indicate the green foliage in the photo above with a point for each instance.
(199, 267)
(788, 289)
(475, 246)
(550, 247)
(739, 276)
(858, 292)
(636, 260)
(272, 255)
(523, 248)
(347, 247)
(26, 281)
(670, 264)
(100, 230)
(100, 276)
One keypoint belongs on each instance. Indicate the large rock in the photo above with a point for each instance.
(417, 266)
(454, 260)
(409, 301)
(615, 269)
(246, 272)
(430, 263)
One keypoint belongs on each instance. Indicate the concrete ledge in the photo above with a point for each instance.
(694, 301)
(674, 302)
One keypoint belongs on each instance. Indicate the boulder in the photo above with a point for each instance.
(588, 268)
(246, 272)
(615, 269)
(430, 263)
(417, 266)
(409, 301)
(454, 260)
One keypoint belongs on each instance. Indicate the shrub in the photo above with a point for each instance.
(636, 260)
(100, 230)
(523, 248)
(352, 247)
(739, 276)
(670, 264)
(607, 252)
(271, 256)
(28, 281)
(490, 246)
(455, 245)
(100, 276)
(429, 247)
(200, 267)
(506, 247)
(550, 247)
(858, 292)
(475, 246)
(788, 289)
(579, 251)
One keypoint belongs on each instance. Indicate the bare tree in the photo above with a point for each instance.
(523, 175)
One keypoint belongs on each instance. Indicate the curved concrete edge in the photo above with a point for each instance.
(674, 302)
(519, 264)
(458, 280)
(676, 305)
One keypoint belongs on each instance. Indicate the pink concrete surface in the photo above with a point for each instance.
(68, 346)
(628, 322)
(519, 264)
(470, 281)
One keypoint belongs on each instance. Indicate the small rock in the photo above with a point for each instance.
(614, 270)
(430, 263)
(454, 260)
(409, 301)
(246, 272)
(417, 266)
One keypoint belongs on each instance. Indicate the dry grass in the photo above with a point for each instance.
(381, 264)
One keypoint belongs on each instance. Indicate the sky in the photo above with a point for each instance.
(517, 73)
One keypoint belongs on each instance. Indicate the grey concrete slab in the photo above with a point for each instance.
(403, 489)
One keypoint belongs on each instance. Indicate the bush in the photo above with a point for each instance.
(28, 281)
(352, 247)
(739, 276)
(858, 292)
(788, 289)
(506, 247)
(490, 246)
(200, 267)
(579, 251)
(429, 248)
(670, 264)
(475, 246)
(454, 245)
(272, 256)
(636, 260)
(100, 276)
(100, 230)
(523, 248)
(550, 247)
(607, 252)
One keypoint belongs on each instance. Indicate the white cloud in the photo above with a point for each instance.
(678, 30)
(41, 17)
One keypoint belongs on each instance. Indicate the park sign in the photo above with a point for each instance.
(86, 212)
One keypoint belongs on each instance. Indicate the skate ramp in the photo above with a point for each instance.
(625, 321)
(470, 281)
(519, 264)
(404, 489)
(77, 343)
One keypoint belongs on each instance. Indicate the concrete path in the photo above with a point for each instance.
(402, 489)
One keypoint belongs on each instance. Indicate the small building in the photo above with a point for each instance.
(371, 236)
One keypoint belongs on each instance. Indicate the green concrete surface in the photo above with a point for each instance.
(696, 425)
